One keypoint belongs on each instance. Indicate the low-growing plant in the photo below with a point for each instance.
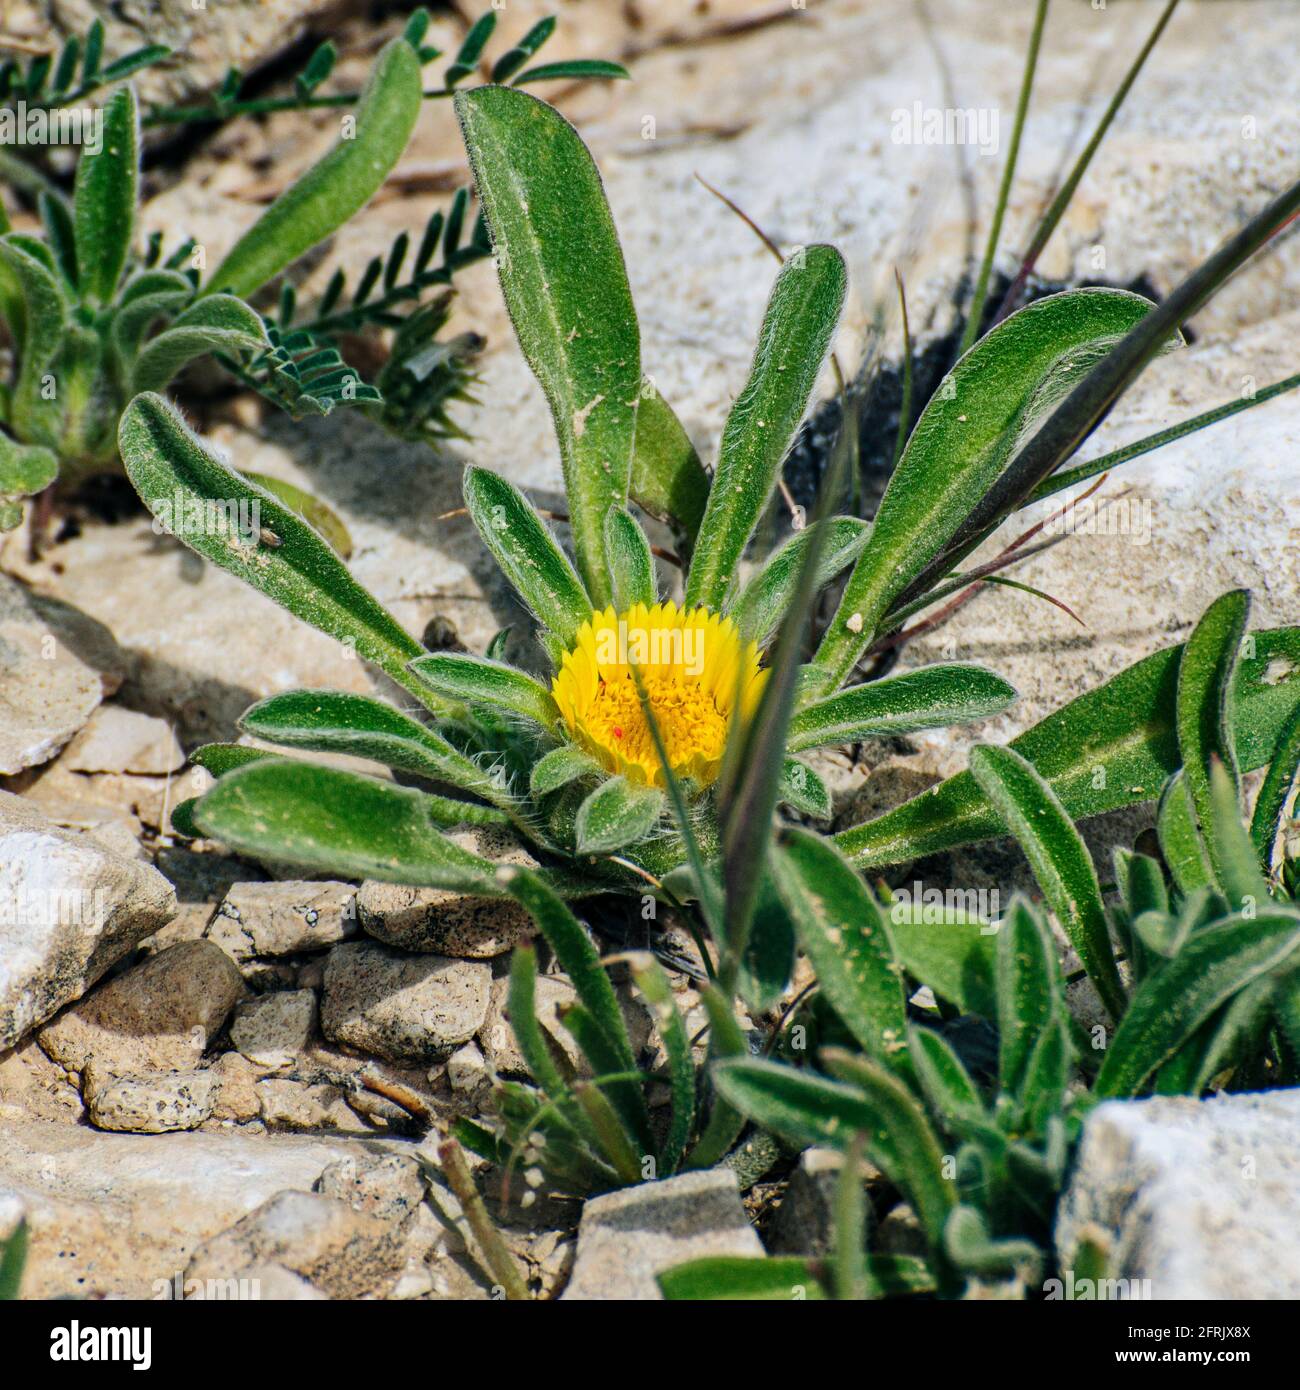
(94, 319)
(1195, 962)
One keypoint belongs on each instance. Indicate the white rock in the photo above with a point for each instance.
(273, 1029)
(281, 919)
(117, 1214)
(118, 739)
(68, 910)
(56, 665)
(1193, 1199)
(627, 1238)
(466, 1069)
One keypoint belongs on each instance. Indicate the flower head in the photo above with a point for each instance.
(698, 675)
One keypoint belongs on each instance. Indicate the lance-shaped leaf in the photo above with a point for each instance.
(219, 323)
(946, 1084)
(529, 558)
(341, 184)
(745, 1278)
(655, 989)
(198, 498)
(559, 767)
(765, 599)
(987, 405)
(628, 559)
(1231, 1035)
(668, 479)
(1180, 842)
(340, 823)
(932, 697)
(1033, 813)
(1029, 992)
(324, 518)
(971, 1248)
(1171, 1004)
(104, 202)
(800, 320)
(147, 297)
(1239, 875)
(565, 284)
(1205, 691)
(474, 681)
(336, 721)
(40, 323)
(804, 791)
(1115, 746)
(843, 932)
(1275, 792)
(616, 814)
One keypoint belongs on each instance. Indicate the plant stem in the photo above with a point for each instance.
(501, 1263)
(905, 407)
(1062, 200)
(178, 115)
(1004, 192)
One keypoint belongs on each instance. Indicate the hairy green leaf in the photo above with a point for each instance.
(616, 814)
(104, 203)
(668, 479)
(471, 679)
(631, 565)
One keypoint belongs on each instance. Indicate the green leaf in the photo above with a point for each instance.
(946, 1084)
(13, 1256)
(763, 602)
(1171, 1004)
(929, 698)
(566, 287)
(529, 558)
(471, 679)
(629, 561)
(332, 721)
(573, 69)
(339, 185)
(726, 1039)
(1028, 992)
(1033, 813)
(338, 823)
(616, 814)
(804, 791)
(576, 955)
(1112, 747)
(559, 767)
(982, 412)
(809, 1109)
(627, 1094)
(973, 1250)
(1230, 1036)
(653, 984)
(1276, 792)
(1205, 689)
(312, 510)
(40, 327)
(1244, 886)
(176, 474)
(668, 479)
(843, 932)
(752, 1279)
(800, 320)
(953, 952)
(1180, 842)
(56, 217)
(104, 203)
(149, 296)
(25, 468)
(219, 323)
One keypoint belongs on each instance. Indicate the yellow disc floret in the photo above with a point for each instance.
(697, 674)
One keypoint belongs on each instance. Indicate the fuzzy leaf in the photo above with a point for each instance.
(104, 204)
(1276, 792)
(566, 287)
(946, 1084)
(800, 320)
(559, 767)
(461, 677)
(929, 698)
(804, 791)
(1240, 878)
(983, 410)
(1171, 1004)
(1033, 813)
(653, 984)
(735, 1278)
(668, 479)
(1112, 747)
(843, 932)
(616, 814)
(339, 185)
(629, 562)
(1180, 842)
(573, 70)
(763, 602)
(169, 466)
(219, 323)
(529, 558)
(25, 468)
(312, 510)
(1028, 991)
(951, 951)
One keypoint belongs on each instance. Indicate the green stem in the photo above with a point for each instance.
(1056, 211)
(1004, 192)
(905, 407)
(178, 115)
(500, 1262)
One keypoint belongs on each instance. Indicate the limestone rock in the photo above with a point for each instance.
(282, 919)
(626, 1238)
(273, 1029)
(152, 1103)
(388, 1186)
(161, 1015)
(402, 1007)
(1192, 1199)
(118, 739)
(68, 910)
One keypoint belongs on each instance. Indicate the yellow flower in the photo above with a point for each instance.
(698, 675)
